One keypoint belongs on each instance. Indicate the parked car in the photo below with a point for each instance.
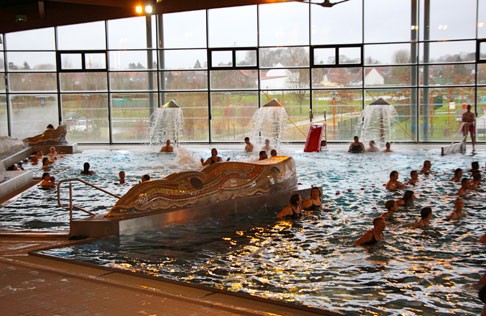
(83, 126)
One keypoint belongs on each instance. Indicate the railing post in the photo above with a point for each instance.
(70, 203)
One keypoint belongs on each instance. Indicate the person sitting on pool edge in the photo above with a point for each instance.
(213, 159)
(425, 217)
(293, 210)
(374, 235)
(393, 184)
(314, 201)
(86, 171)
(356, 146)
(167, 148)
(47, 181)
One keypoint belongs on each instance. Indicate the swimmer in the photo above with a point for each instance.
(314, 201)
(413, 177)
(391, 207)
(52, 154)
(476, 180)
(262, 155)
(426, 168)
(457, 175)
(47, 181)
(267, 146)
(167, 148)
(121, 176)
(393, 184)
(356, 146)
(213, 159)
(374, 235)
(387, 148)
(407, 199)
(248, 145)
(86, 171)
(425, 217)
(273, 153)
(34, 160)
(464, 189)
(145, 178)
(474, 166)
(373, 147)
(293, 210)
(45, 163)
(458, 209)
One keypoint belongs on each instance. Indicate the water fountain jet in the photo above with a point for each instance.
(269, 122)
(167, 123)
(376, 122)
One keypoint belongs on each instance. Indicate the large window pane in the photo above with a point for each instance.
(284, 57)
(231, 114)
(441, 111)
(388, 76)
(184, 30)
(481, 112)
(234, 79)
(31, 61)
(328, 25)
(83, 81)
(184, 80)
(336, 77)
(86, 116)
(130, 116)
(342, 109)
(184, 59)
(447, 74)
(32, 113)
(284, 79)
(450, 19)
(2, 83)
(194, 107)
(387, 54)
(85, 36)
(284, 24)
(387, 21)
(128, 60)
(449, 52)
(481, 19)
(133, 81)
(242, 31)
(32, 82)
(481, 74)
(39, 39)
(130, 33)
(3, 115)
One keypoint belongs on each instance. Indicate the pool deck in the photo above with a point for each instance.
(35, 285)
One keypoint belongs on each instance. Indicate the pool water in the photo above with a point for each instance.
(312, 261)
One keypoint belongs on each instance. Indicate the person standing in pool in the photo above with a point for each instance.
(426, 168)
(373, 147)
(374, 235)
(293, 210)
(469, 126)
(387, 148)
(213, 159)
(167, 148)
(413, 177)
(86, 171)
(47, 181)
(356, 146)
(393, 184)
(407, 199)
(425, 217)
(314, 201)
(464, 189)
(458, 209)
(457, 175)
(248, 145)
(391, 207)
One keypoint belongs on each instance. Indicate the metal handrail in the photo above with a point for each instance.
(70, 205)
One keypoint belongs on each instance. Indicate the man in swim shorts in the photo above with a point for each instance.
(468, 125)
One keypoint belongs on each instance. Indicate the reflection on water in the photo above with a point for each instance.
(313, 261)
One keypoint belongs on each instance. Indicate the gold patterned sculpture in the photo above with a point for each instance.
(216, 183)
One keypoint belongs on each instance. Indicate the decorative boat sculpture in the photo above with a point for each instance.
(216, 183)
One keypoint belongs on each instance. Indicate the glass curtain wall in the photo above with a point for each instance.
(106, 80)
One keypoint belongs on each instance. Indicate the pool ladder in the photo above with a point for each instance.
(71, 205)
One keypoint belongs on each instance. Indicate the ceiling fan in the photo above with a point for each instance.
(328, 3)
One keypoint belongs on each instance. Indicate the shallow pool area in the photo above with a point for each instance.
(310, 262)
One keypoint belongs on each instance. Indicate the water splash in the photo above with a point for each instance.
(269, 122)
(167, 123)
(376, 122)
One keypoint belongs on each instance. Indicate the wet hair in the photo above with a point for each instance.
(393, 172)
(377, 219)
(424, 212)
(407, 196)
(50, 126)
(475, 165)
(247, 138)
(145, 177)
(413, 172)
(318, 189)
(86, 167)
(389, 204)
(457, 171)
(427, 162)
(294, 198)
(273, 152)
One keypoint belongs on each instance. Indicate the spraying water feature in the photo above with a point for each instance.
(269, 122)
(376, 122)
(167, 123)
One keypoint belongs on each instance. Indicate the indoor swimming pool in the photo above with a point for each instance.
(312, 261)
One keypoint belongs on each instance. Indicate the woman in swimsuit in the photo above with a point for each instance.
(293, 210)
(314, 201)
(373, 236)
(213, 159)
(356, 146)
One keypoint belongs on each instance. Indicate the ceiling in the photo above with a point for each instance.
(19, 15)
